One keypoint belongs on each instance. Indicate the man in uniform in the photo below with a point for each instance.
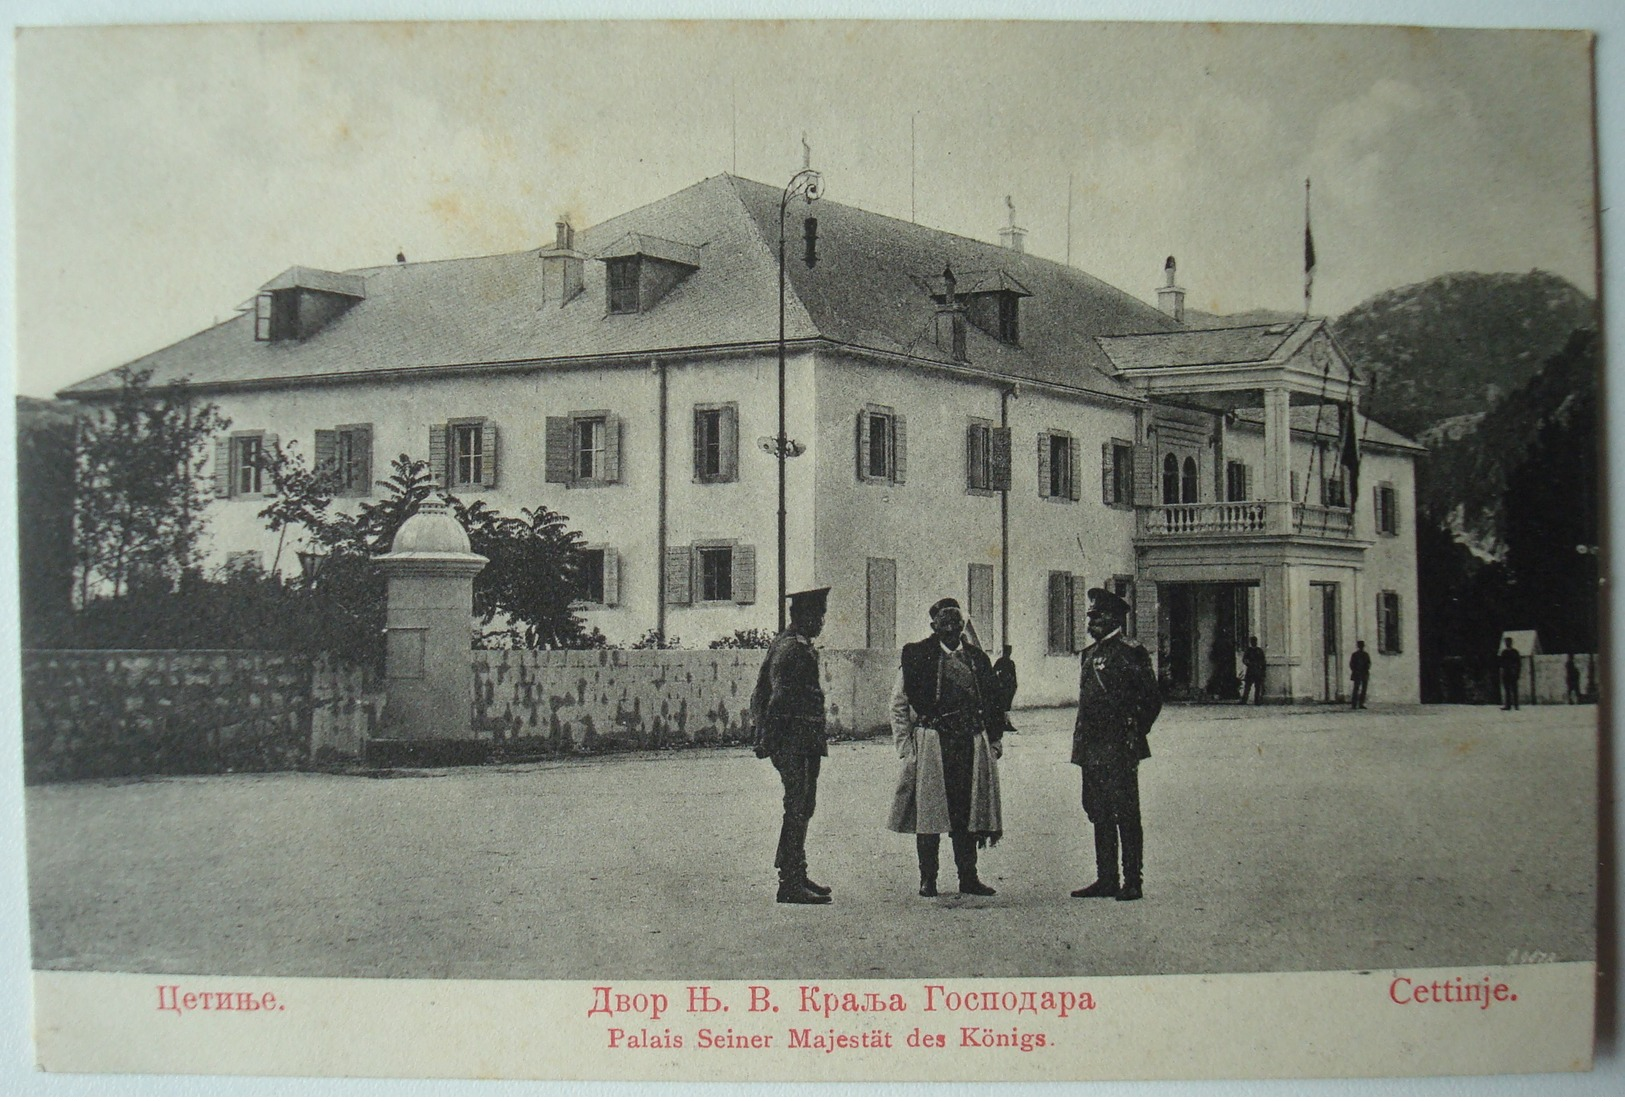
(788, 706)
(1118, 700)
(1359, 674)
(1252, 666)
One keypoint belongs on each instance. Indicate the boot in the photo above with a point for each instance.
(1106, 884)
(815, 888)
(798, 894)
(965, 861)
(925, 847)
(1133, 861)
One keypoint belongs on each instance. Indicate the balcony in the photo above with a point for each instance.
(1211, 519)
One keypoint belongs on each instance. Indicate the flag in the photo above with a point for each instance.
(1348, 448)
(1308, 258)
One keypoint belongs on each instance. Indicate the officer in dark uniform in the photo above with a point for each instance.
(788, 706)
(1118, 700)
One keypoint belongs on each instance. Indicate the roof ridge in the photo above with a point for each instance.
(770, 248)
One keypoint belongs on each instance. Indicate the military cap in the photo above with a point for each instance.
(1107, 601)
(945, 602)
(810, 600)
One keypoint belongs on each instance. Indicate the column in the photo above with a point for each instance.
(1276, 634)
(1278, 455)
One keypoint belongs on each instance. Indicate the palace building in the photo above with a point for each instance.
(971, 420)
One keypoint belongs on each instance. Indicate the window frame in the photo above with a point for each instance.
(724, 416)
(455, 454)
(622, 276)
(1390, 622)
(1387, 508)
(893, 441)
(712, 549)
(1065, 485)
(979, 477)
(347, 459)
(240, 441)
(589, 441)
(1065, 619)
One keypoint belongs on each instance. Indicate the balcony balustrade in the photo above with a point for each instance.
(1206, 519)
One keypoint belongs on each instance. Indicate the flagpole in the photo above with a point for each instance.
(1308, 254)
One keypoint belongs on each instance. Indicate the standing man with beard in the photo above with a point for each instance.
(948, 722)
(788, 706)
(1118, 700)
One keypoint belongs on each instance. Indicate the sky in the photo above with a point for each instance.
(164, 173)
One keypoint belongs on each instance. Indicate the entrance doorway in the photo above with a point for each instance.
(1202, 630)
(1325, 615)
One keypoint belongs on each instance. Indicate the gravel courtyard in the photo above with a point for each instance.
(1277, 839)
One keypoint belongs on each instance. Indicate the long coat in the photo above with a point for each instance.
(920, 803)
(788, 703)
(1118, 698)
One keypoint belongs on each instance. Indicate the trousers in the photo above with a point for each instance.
(799, 774)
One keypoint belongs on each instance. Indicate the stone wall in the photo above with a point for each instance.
(102, 713)
(90, 713)
(570, 700)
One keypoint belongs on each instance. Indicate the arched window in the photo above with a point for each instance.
(1192, 492)
(1170, 480)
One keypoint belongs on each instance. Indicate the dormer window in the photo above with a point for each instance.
(640, 270)
(300, 302)
(623, 285)
(1009, 319)
(991, 301)
(275, 315)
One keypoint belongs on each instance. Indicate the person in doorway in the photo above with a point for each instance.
(1252, 666)
(788, 706)
(1359, 674)
(1571, 681)
(948, 724)
(1510, 662)
(1118, 700)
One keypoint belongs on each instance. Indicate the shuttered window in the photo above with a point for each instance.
(882, 440)
(584, 448)
(622, 283)
(979, 456)
(1238, 481)
(1387, 499)
(1390, 640)
(1059, 466)
(1117, 473)
(345, 453)
(239, 463)
(716, 443)
(600, 576)
(1064, 612)
(712, 572)
(463, 453)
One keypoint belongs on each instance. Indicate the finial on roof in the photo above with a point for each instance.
(806, 151)
(1011, 204)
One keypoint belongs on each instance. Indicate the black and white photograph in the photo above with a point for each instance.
(578, 511)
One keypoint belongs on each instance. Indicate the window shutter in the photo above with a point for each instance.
(899, 444)
(363, 448)
(1247, 482)
(488, 455)
(327, 451)
(437, 455)
(699, 444)
(863, 445)
(558, 450)
(222, 467)
(1074, 455)
(1294, 487)
(1078, 606)
(612, 448)
(1001, 459)
(1376, 499)
(1043, 464)
(973, 476)
(730, 443)
(1108, 475)
(1382, 624)
(1397, 642)
(679, 575)
(1145, 475)
(612, 576)
(744, 574)
(1393, 510)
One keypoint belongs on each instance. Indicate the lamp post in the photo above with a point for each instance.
(806, 184)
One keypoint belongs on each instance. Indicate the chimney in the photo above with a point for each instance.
(1171, 297)
(1012, 236)
(562, 266)
(949, 323)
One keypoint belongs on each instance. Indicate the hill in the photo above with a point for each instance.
(1454, 346)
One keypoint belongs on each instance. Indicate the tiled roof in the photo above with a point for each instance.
(1207, 347)
(869, 290)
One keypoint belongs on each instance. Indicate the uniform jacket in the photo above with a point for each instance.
(920, 803)
(1360, 663)
(1118, 697)
(788, 704)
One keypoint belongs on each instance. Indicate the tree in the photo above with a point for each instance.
(138, 498)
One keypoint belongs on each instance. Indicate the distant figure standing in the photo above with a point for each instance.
(1252, 664)
(1004, 671)
(1571, 681)
(1360, 674)
(1511, 665)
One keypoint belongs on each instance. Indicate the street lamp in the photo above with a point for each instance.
(807, 185)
